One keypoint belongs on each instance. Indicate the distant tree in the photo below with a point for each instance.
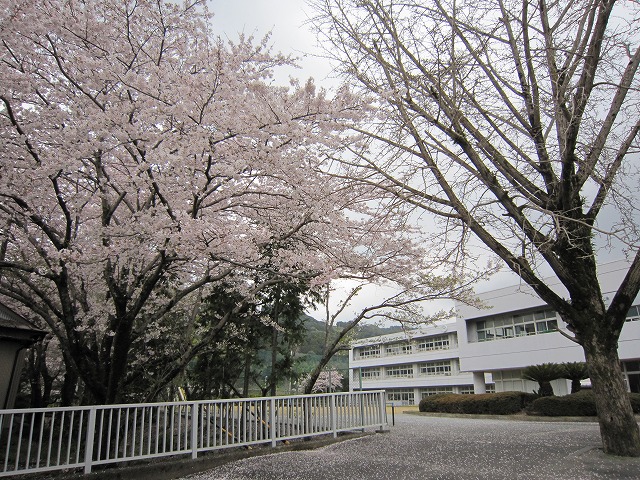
(255, 346)
(544, 374)
(367, 330)
(327, 381)
(215, 369)
(575, 371)
(42, 374)
(282, 306)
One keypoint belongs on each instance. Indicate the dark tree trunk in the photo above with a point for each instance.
(273, 379)
(313, 376)
(40, 380)
(618, 426)
(546, 390)
(575, 385)
(119, 363)
(35, 381)
(247, 374)
(68, 390)
(274, 346)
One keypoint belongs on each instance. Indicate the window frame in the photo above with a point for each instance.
(436, 368)
(404, 371)
(429, 344)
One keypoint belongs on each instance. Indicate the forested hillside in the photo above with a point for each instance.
(310, 350)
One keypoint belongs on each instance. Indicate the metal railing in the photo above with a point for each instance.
(46, 439)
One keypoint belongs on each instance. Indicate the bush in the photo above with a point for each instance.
(581, 404)
(575, 371)
(575, 405)
(544, 374)
(434, 403)
(504, 403)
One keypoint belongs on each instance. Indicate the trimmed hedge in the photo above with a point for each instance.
(503, 403)
(575, 405)
(581, 404)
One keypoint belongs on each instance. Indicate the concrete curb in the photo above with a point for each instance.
(519, 418)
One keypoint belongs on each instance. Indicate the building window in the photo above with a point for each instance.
(634, 314)
(542, 321)
(508, 381)
(370, 351)
(434, 343)
(466, 390)
(428, 391)
(398, 349)
(371, 373)
(400, 371)
(400, 396)
(435, 368)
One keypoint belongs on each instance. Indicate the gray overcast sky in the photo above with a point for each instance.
(285, 19)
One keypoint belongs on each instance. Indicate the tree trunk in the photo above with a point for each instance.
(546, 390)
(618, 426)
(575, 385)
(68, 389)
(313, 376)
(119, 363)
(34, 380)
(274, 361)
(274, 345)
(247, 373)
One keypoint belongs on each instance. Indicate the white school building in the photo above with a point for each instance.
(485, 350)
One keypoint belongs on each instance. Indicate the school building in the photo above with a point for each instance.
(485, 349)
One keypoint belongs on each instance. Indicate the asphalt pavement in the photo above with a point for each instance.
(424, 448)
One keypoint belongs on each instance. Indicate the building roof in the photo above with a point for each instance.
(16, 327)
(405, 335)
(521, 297)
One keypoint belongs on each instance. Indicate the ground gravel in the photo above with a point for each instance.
(421, 447)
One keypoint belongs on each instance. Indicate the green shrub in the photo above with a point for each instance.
(503, 403)
(435, 403)
(544, 374)
(575, 405)
(581, 404)
(575, 371)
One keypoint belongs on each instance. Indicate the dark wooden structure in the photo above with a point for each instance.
(16, 335)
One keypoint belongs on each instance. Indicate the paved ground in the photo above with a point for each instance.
(423, 448)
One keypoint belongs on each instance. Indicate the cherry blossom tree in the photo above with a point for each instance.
(327, 381)
(143, 159)
(143, 162)
(513, 125)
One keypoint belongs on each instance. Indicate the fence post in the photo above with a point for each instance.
(361, 395)
(334, 419)
(195, 412)
(308, 425)
(88, 443)
(272, 420)
(383, 410)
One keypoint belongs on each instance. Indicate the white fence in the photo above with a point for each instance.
(45, 439)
